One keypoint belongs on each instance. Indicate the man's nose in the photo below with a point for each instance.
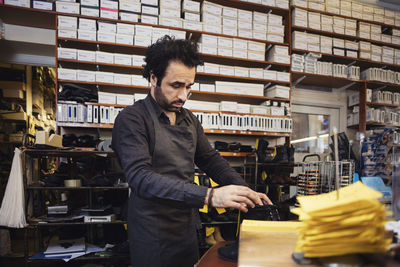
(183, 94)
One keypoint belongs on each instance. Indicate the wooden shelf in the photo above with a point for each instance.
(219, 77)
(346, 17)
(106, 84)
(245, 99)
(195, 34)
(378, 124)
(238, 132)
(207, 57)
(252, 6)
(382, 105)
(205, 96)
(66, 152)
(377, 84)
(362, 63)
(304, 78)
(85, 125)
(207, 131)
(77, 188)
(236, 154)
(72, 223)
(343, 36)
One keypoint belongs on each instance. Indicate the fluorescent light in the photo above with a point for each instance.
(309, 138)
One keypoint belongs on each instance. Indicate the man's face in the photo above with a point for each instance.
(175, 86)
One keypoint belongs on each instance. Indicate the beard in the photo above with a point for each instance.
(163, 102)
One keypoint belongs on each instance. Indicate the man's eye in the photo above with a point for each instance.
(176, 86)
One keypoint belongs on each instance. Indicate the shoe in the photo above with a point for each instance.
(229, 252)
(210, 240)
(217, 235)
(263, 213)
(261, 146)
(281, 154)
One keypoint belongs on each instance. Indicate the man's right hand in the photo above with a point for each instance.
(237, 197)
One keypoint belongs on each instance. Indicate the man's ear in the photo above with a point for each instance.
(153, 79)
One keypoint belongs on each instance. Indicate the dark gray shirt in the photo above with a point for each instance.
(133, 141)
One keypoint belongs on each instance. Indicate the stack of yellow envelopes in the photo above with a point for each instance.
(352, 223)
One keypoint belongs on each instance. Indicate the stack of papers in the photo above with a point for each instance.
(352, 223)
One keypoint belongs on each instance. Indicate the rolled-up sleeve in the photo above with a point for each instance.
(130, 141)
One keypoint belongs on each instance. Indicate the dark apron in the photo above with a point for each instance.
(163, 232)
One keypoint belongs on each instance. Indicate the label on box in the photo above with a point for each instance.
(124, 39)
(84, 55)
(104, 57)
(191, 16)
(132, 17)
(87, 24)
(90, 12)
(106, 37)
(122, 59)
(229, 31)
(92, 3)
(125, 28)
(67, 7)
(67, 53)
(67, 33)
(65, 22)
(108, 14)
(86, 76)
(226, 52)
(43, 5)
(87, 35)
(150, 10)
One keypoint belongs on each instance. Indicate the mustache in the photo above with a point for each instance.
(179, 101)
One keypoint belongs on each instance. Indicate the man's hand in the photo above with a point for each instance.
(237, 197)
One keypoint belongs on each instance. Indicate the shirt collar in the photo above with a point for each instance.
(180, 115)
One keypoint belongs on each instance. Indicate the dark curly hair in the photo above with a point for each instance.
(167, 48)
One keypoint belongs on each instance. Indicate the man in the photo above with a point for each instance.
(158, 143)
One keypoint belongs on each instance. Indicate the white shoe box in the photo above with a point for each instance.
(107, 98)
(104, 57)
(86, 55)
(124, 79)
(122, 59)
(87, 24)
(64, 33)
(89, 35)
(67, 53)
(125, 99)
(104, 77)
(67, 74)
(278, 91)
(105, 37)
(86, 76)
(121, 38)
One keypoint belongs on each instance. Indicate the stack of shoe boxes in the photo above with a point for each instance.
(316, 5)
(109, 9)
(191, 10)
(279, 54)
(67, 27)
(150, 9)
(87, 29)
(67, 7)
(167, 17)
(129, 10)
(106, 31)
(90, 8)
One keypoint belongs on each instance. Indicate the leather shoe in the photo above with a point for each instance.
(229, 252)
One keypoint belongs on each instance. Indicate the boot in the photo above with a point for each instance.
(261, 146)
(210, 240)
(229, 252)
(217, 235)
